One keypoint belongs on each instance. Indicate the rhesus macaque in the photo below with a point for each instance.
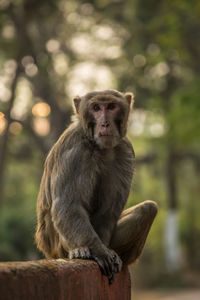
(85, 185)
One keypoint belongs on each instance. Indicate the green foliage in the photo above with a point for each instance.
(18, 213)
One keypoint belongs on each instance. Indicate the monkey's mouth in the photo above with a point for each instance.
(105, 135)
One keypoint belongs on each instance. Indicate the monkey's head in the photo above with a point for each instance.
(104, 115)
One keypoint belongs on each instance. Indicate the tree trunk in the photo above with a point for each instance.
(171, 232)
(5, 138)
(171, 236)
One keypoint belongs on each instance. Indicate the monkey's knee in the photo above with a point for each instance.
(150, 208)
(139, 215)
(133, 229)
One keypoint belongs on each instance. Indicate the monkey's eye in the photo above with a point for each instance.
(96, 107)
(111, 106)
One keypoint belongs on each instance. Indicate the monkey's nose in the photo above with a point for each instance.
(105, 124)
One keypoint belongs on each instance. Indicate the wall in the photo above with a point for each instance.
(60, 280)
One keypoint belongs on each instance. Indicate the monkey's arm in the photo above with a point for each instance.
(79, 238)
(72, 222)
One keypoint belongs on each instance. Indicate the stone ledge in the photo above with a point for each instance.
(60, 279)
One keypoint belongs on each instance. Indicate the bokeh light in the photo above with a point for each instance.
(41, 109)
(41, 126)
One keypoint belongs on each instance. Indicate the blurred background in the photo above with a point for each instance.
(51, 51)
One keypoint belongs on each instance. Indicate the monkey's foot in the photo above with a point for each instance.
(117, 263)
(117, 267)
(82, 252)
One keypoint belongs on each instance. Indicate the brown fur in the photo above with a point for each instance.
(85, 186)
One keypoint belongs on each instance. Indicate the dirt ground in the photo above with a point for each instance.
(167, 295)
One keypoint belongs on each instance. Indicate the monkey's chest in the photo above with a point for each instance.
(108, 192)
(98, 196)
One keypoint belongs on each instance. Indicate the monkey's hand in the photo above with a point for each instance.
(109, 263)
(82, 252)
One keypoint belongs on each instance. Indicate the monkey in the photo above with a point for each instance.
(85, 185)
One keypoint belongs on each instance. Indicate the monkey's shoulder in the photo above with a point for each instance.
(70, 152)
(68, 139)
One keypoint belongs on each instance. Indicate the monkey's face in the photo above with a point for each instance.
(106, 129)
(104, 115)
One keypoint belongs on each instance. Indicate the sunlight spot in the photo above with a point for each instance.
(103, 32)
(153, 49)
(8, 31)
(147, 122)
(139, 60)
(52, 45)
(31, 69)
(15, 128)
(60, 64)
(137, 122)
(41, 126)
(89, 76)
(113, 52)
(22, 101)
(10, 66)
(73, 18)
(82, 44)
(5, 93)
(161, 69)
(3, 122)
(87, 9)
(41, 109)
(91, 48)
(156, 129)
(26, 60)
(4, 4)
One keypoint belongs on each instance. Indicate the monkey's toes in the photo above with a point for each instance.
(117, 263)
(104, 265)
(82, 252)
(111, 278)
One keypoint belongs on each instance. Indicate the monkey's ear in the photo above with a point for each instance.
(77, 101)
(130, 99)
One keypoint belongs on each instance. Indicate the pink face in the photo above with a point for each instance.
(106, 133)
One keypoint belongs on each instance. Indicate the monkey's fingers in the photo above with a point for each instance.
(82, 252)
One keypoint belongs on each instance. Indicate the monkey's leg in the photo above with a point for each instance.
(132, 229)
